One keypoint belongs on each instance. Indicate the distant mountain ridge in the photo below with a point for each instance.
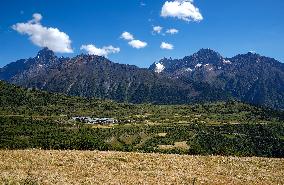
(96, 76)
(203, 76)
(248, 77)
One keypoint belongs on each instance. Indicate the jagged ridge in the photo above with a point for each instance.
(96, 76)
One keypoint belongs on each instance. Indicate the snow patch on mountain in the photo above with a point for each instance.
(188, 69)
(227, 61)
(159, 68)
(198, 65)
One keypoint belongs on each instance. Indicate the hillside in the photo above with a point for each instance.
(86, 167)
(36, 119)
(21, 101)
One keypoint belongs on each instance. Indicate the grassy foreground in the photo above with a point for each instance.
(94, 167)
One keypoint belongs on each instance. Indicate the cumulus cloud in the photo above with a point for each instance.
(36, 18)
(127, 36)
(43, 36)
(172, 31)
(157, 29)
(104, 51)
(137, 44)
(165, 45)
(181, 9)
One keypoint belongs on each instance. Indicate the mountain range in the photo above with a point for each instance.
(201, 77)
(248, 77)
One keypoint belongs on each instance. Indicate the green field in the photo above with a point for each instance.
(35, 119)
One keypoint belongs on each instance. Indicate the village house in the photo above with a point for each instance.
(89, 120)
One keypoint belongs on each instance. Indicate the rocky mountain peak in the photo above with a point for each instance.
(254, 58)
(46, 55)
(251, 55)
(208, 53)
(205, 56)
(86, 58)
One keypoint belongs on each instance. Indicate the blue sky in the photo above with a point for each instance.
(229, 27)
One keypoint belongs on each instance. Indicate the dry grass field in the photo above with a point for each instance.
(94, 167)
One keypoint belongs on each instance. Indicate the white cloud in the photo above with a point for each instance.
(37, 18)
(127, 36)
(157, 29)
(134, 43)
(44, 36)
(165, 45)
(172, 31)
(104, 51)
(181, 9)
(137, 44)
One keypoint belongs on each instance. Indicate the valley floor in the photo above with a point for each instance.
(94, 167)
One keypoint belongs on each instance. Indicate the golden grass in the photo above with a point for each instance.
(182, 145)
(177, 145)
(104, 126)
(162, 134)
(93, 167)
(166, 147)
